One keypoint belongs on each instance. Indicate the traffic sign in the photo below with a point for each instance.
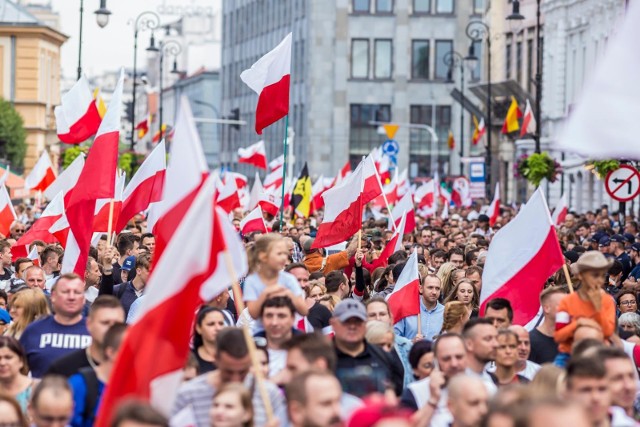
(623, 184)
(393, 159)
(391, 147)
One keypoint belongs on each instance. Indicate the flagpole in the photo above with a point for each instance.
(568, 277)
(284, 169)
(110, 225)
(251, 345)
(384, 197)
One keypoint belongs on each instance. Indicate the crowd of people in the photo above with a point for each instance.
(329, 352)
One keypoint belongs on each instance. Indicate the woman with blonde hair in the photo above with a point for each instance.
(455, 315)
(550, 381)
(445, 274)
(381, 334)
(465, 292)
(27, 306)
(232, 407)
(315, 290)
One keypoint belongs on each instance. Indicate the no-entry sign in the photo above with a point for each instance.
(623, 184)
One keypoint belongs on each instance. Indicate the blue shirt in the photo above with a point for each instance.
(79, 388)
(431, 321)
(46, 340)
(253, 286)
(127, 295)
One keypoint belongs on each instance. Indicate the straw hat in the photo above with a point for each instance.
(591, 260)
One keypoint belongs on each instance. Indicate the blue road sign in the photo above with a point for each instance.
(391, 147)
(393, 159)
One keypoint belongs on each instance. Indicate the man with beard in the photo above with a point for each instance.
(588, 307)
(313, 400)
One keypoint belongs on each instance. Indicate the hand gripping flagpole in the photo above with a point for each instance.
(284, 168)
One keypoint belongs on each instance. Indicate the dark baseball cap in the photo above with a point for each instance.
(629, 237)
(618, 238)
(604, 241)
(635, 247)
(483, 218)
(597, 236)
(129, 263)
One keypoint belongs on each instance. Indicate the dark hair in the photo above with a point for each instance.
(438, 253)
(455, 251)
(611, 353)
(418, 350)
(46, 252)
(472, 323)
(313, 346)
(202, 314)
(397, 270)
(4, 244)
(3, 294)
(471, 256)
(623, 293)
(21, 261)
(296, 390)
(145, 236)
(126, 242)
(231, 341)
(139, 412)
(278, 302)
(616, 268)
(55, 383)
(500, 304)
(585, 367)
(7, 341)
(397, 256)
(113, 337)
(143, 261)
(333, 280)
(295, 265)
(105, 301)
(316, 275)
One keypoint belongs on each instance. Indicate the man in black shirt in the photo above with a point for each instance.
(5, 256)
(105, 311)
(543, 347)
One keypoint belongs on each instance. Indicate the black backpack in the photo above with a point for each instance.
(91, 397)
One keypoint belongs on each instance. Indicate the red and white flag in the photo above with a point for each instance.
(404, 301)
(7, 214)
(256, 193)
(461, 193)
(77, 118)
(276, 163)
(255, 155)
(66, 181)
(522, 256)
(240, 179)
(560, 212)
(227, 195)
(528, 122)
(342, 174)
(192, 273)
(317, 189)
(394, 244)
(145, 187)
(342, 211)
(42, 174)
(425, 195)
(254, 221)
(34, 256)
(273, 179)
(269, 77)
(404, 207)
(186, 171)
(103, 206)
(494, 208)
(270, 202)
(97, 181)
(371, 188)
(40, 229)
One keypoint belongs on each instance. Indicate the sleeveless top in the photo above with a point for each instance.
(23, 397)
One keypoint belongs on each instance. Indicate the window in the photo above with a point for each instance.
(420, 59)
(382, 59)
(508, 59)
(421, 6)
(420, 140)
(444, 6)
(360, 58)
(361, 6)
(362, 135)
(476, 73)
(478, 7)
(529, 65)
(442, 48)
(384, 6)
(519, 62)
(443, 123)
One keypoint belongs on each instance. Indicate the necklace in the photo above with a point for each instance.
(92, 363)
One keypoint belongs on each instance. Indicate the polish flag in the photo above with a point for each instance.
(444, 195)
(254, 221)
(403, 183)
(398, 212)
(404, 301)
(7, 214)
(269, 78)
(384, 169)
(522, 256)
(344, 172)
(276, 163)
(270, 202)
(274, 179)
(254, 155)
(42, 175)
(560, 212)
(317, 189)
(461, 194)
(494, 208)
(425, 195)
(40, 229)
(77, 118)
(66, 181)
(145, 187)
(256, 192)
(371, 187)
(101, 212)
(192, 273)
(186, 171)
(528, 122)
(227, 195)
(241, 180)
(394, 244)
(34, 256)
(97, 181)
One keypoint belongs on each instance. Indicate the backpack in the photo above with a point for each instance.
(91, 398)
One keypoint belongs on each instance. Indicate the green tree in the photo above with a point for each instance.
(13, 137)
(71, 153)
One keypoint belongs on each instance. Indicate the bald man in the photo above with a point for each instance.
(524, 366)
(468, 400)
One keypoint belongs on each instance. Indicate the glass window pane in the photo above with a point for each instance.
(476, 73)
(478, 7)
(382, 68)
(384, 6)
(444, 6)
(361, 5)
(421, 6)
(420, 59)
(360, 59)
(442, 48)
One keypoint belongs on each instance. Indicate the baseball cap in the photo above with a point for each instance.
(629, 237)
(129, 263)
(604, 241)
(571, 256)
(597, 236)
(4, 316)
(635, 247)
(349, 308)
(618, 238)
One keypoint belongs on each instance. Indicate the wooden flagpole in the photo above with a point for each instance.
(568, 277)
(110, 225)
(284, 168)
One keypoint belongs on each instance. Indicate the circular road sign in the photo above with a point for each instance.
(390, 146)
(623, 184)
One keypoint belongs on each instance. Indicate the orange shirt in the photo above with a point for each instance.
(337, 261)
(572, 307)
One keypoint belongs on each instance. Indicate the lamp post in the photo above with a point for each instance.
(145, 21)
(453, 59)
(517, 16)
(174, 49)
(478, 30)
(102, 19)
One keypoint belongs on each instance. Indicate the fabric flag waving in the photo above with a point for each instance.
(394, 245)
(529, 121)
(7, 213)
(405, 204)
(478, 131)
(253, 155)
(301, 197)
(511, 121)
(77, 118)
(522, 256)
(404, 301)
(256, 193)
(371, 187)
(560, 212)
(276, 164)
(42, 175)
(270, 77)
(143, 127)
(494, 208)
(228, 198)
(425, 195)
(34, 256)
(192, 273)
(40, 229)
(254, 221)
(103, 206)
(66, 180)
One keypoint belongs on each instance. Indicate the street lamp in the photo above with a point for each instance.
(102, 18)
(173, 48)
(145, 21)
(516, 16)
(476, 31)
(453, 59)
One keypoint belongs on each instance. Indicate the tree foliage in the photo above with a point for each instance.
(13, 136)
